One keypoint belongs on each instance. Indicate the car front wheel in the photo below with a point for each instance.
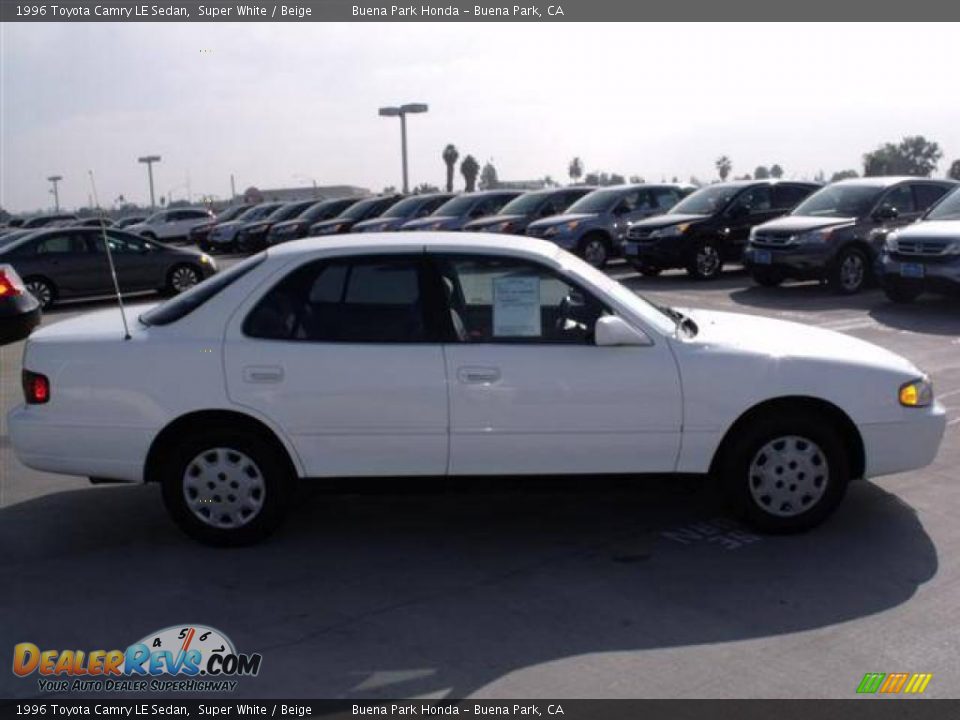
(850, 271)
(593, 249)
(785, 474)
(226, 487)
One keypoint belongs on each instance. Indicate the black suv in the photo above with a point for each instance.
(925, 256)
(837, 233)
(710, 226)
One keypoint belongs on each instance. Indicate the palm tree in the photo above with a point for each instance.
(450, 157)
(469, 169)
(776, 171)
(724, 166)
(575, 170)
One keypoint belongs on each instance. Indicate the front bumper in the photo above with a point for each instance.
(796, 260)
(657, 253)
(910, 444)
(936, 274)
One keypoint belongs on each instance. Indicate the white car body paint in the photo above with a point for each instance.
(362, 410)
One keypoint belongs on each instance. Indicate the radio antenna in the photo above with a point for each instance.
(106, 247)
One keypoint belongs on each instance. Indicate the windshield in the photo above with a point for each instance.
(405, 207)
(840, 201)
(457, 206)
(231, 212)
(185, 303)
(946, 209)
(358, 210)
(598, 201)
(285, 212)
(526, 203)
(324, 210)
(706, 201)
(257, 212)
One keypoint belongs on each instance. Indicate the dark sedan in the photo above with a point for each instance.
(458, 211)
(514, 217)
(253, 236)
(71, 262)
(300, 225)
(407, 209)
(19, 310)
(358, 212)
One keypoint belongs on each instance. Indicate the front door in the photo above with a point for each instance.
(530, 392)
(340, 354)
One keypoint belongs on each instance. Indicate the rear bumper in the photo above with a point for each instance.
(18, 317)
(113, 452)
(907, 445)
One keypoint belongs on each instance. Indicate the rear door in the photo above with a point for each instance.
(342, 355)
(64, 258)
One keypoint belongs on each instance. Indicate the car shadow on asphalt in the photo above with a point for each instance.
(930, 314)
(444, 591)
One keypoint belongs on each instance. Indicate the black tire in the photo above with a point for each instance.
(898, 293)
(181, 278)
(705, 261)
(594, 248)
(648, 270)
(270, 468)
(843, 278)
(745, 491)
(43, 290)
(767, 277)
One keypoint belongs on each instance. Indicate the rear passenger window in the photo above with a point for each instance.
(900, 199)
(926, 195)
(368, 300)
(60, 244)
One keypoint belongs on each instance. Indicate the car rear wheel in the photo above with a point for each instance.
(227, 487)
(767, 277)
(593, 249)
(899, 294)
(706, 262)
(181, 278)
(850, 271)
(785, 474)
(43, 290)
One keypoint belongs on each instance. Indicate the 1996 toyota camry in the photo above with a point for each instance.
(436, 354)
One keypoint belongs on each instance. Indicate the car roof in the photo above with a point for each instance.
(888, 180)
(415, 241)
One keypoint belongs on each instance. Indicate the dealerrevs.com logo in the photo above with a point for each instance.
(180, 658)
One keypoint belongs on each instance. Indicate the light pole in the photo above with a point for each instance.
(56, 194)
(150, 160)
(402, 113)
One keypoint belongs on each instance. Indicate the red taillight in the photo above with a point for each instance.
(10, 284)
(36, 388)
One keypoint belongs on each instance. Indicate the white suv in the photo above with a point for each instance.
(172, 224)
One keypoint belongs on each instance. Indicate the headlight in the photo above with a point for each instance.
(815, 237)
(503, 227)
(953, 248)
(916, 393)
(890, 243)
(206, 259)
(672, 231)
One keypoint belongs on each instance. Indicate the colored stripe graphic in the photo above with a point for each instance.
(870, 683)
(918, 683)
(893, 683)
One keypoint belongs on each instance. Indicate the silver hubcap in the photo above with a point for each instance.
(40, 291)
(224, 488)
(184, 278)
(788, 476)
(708, 260)
(851, 272)
(595, 253)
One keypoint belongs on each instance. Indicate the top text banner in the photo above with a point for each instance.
(854, 11)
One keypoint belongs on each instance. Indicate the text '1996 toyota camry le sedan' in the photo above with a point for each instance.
(435, 354)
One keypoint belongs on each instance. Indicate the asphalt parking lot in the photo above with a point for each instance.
(594, 588)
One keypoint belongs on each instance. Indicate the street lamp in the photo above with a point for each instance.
(402, 113)
(56, 195)
(150, 160)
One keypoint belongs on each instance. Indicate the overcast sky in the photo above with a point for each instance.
(276, 103)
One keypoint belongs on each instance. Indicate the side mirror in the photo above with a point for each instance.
(611, 331)
(886, 212)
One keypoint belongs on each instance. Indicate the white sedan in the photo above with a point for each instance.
(436, 354)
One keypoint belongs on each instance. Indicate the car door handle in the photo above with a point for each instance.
(478, 375)
(263, 374)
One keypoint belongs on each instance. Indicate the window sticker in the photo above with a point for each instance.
(516, 307)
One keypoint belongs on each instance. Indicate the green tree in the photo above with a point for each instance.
(469, 168)
(843, 175)
(761, 173)
(425, 188)
(954, 171)
(450, 157)
(913, 155)
(776, 171)
(488, 177)
(724, 166)
(575, 170)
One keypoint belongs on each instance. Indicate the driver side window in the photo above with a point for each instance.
(504, 300)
